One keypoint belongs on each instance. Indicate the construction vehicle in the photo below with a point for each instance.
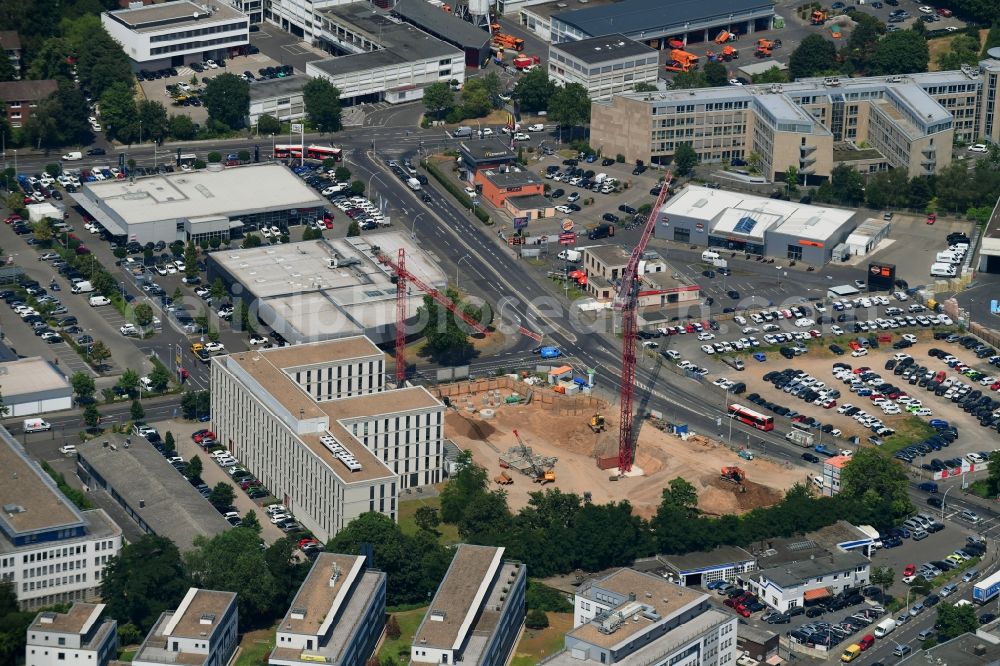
(729, 53)
(539, 468)
(525, 62)
(597, 423)
(733, 475)
(681, 61)
(675, 43)
(508, 41)
(819, 17)
(503, 479)
(725, 36)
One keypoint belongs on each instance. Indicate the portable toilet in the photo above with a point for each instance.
(591, 377)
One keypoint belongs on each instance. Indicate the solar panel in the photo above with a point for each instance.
(745, 225)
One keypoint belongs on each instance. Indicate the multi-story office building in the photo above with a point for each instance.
(634, 618)
(318, 426)
(51, 551)
(254, 9)
(174, 33)
(336, 617)
(201, 632)
(871, 123)
(476, 613)
(78, 636)
(606, 66)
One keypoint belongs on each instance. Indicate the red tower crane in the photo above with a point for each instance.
(626, 301)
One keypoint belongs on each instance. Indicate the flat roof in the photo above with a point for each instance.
(97, 524)
(707, 559)
(140, 475)
(512, 178)
(30, 499)
(203, 193)
(965, 650)
(791, 574)
(547, 10)
(77, 620)
(288, 85)
(444, 24)
(530, 202)
(745, 223)
(295, 284)
(458, 597)
(173, 14)
(489, 149)
(609, 255)
(647, 16)
(832, 536)
(603, 49)
(31, 375)
(199, 609)
(321, 593)
(816, 223)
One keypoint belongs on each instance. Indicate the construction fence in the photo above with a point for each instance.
(540, 396)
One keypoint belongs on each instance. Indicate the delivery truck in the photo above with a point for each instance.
(36, 425)
(571, 255)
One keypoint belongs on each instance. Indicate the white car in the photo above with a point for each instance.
(265, 232)
(180, 265)
(211, 64)
(256, 339)
(565, 210)
(486, 131)
(924, 9)
(521, 136)
(171, 269)
(859, 352)
(836, 330)
(708, 349)
(128, 330)
(706, 336)
(735, 82)
(470, 191)
(537, 127)
(226, 312)
(978, 148)
(214, 347)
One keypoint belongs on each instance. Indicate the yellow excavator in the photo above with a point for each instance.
(597, 423)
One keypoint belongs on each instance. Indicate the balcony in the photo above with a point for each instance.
(929, 151)
(805, 150)
(806, 162)
(807, 170)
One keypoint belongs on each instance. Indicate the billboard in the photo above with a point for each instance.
(881, 277)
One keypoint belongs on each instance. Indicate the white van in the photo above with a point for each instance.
(947, 257)
(709, 256)
(82, 287)
(943, 270)
(36, 425)
(73, 156)
(413, 184)
(885, 627)
(97, 301)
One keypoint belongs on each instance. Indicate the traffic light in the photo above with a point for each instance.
(256, 153)
(178, 157)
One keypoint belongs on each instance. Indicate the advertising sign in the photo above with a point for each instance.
(521, 222)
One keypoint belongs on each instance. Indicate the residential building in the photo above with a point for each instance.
(378, 57)
(832, 468)
(21, 97)
(51, 551)
(606, 66)
(318, 426)
(33, 386)
(298, 16)
(201, 632)
(634, 618)
(337, 616)
(447, 26)
(172, 34)
(477, 612)
(10, 44)
(78, 636)
(792, 584)
(870, 123)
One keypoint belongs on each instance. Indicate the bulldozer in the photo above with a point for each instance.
(818, 17)
(597, 423)
(733, 475)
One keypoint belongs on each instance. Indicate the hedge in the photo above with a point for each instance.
(452, 188)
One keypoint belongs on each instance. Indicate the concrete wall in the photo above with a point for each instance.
(623, 126)
(563, 405)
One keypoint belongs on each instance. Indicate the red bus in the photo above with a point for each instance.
(751, 418)
(294, 151)
(283, 151)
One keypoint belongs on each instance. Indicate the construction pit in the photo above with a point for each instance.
(485, 423)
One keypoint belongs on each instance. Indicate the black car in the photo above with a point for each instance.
(628, 210)
(809, 457)
(610, 217)
(607, 161)
(733, 294)
(555, 194)
(815, 611)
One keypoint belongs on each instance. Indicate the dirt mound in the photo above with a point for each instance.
(721, 497)
(470, 426)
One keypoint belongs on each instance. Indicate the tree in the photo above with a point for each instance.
(493, 85)
(427, 519)
(119, 113)
(83, 385)
(902, 52)
(446, 334)
(716, 74)
(953, 621)
(181, 128)
(322, 103)
(438, 98)
(145, 579)
(137, 412)
(792, 179)
(773, 75)
(129, 381)
(342, 174)
(685, 159)
(475, 99)
(243, 156)
(154, 123)
(993, 480)
(251, 522)
(99, 353)
(863, 39)
(7, 71)
(195, 403)
(887, 188)
(227, 98)
(682, 494)
(190, 260)
(268, 124)
(883, 577)
(964, 50)
(688, 80)
(143, 314)
(536, 619)
(222, 495)
(168, 442)
(214, 157)
(468, 482)
(353, 229)
(251, 241)
(877, 482)
(846, 185)
(91, 416)
(570, 105)
(392, 630)
(642, 86)
(534, 90)
(813, 56)
(50, 61)
(218, 290)
(194, 468)
(357, 188)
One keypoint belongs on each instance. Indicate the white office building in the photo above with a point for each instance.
(78, 636)
(606, 66)
(33, 386)
(317, 425)
(201, 632)
(173, 34)
(51, 551)
(791, 584)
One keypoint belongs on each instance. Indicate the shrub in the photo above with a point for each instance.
(536, 619)
(215, 156)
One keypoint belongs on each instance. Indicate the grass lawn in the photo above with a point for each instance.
(535, 645)
(255, 647)
(408, 621)
(909, 430)
(408, 523)
(127, 655)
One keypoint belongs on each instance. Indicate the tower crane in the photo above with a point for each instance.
(625, 302)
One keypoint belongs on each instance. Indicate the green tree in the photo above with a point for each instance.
(222, 495)
(322, 103)
(392, 630)
(168, 442)
(883, 577)
(543, 597)
(493, 85)
(143, 314)
(190, 260)
(251, 241)
(214, 157)
(99, 353)
(847, 185)
(251, 522)
(773, 75)
(218, 290)
(446, 334)
(145, 579)
(994, 473)
(353, 229)
(227, 98)
(194, 468)
(137, 412)
(7, 71)
(51, 62)
(13, 625)
(129, 381)
(153, 116)
(902, 52)
(119, 113)
(195, 404)
(570, 106)
(181, 128)
(964, 50)
(469, 482)
(357, 188)
(685, 159)
(814, 56)
(533, 91)
(877, 482)
(438, 98)
(43, 230)
(953, 621)
(267, 124)
(642, 87)
(792, 179)
(83, 385)
(91, 416)
(863, 39)
(536, 619)
(243, 156)
(682, 494)
(475, 99)
(888, 188)
(342, 174)
(716, 74)
(486, 519)
(428, 519)
(689, 80)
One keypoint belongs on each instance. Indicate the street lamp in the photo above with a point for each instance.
(413, 226)
(944, 500)
(457, 266)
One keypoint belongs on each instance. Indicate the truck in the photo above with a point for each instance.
(572, 256)
(601, 231)
(825, 450)
(36, 425)
(508, 41)
(987, 589)
(800, 438)
(885, 627)
(82, 287)
(525, 62)
(720, 263)
(413, 184)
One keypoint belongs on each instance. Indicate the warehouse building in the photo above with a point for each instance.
(76, 636)
(202, 631)
(320, 429)
(630, 617)
(326, 288)
(200, 205)
(446, 26)
(32, 386)
(868, 236)
(734, 222)
(379, 58)
(336, 617)
(173, 34)
(50, 551)
(477, 612)
(605, 66)
(701, 568)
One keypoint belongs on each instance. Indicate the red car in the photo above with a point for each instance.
(328, 224)
(909, 570)
(307, 541)
(866, 642)
(932, 218)
(201, 435)
(743, 611)
(10, 219)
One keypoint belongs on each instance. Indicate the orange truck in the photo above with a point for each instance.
(508, 41)
(725, 36)
(523, 62)
(682, 61)
(818, 17)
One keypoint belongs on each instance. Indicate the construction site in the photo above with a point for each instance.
(529, 438)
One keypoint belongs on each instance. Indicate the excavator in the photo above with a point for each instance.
(819, 17)
(597, 423)
(733, 475)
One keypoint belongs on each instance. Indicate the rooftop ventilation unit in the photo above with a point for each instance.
(206, 618)
(342, 454)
